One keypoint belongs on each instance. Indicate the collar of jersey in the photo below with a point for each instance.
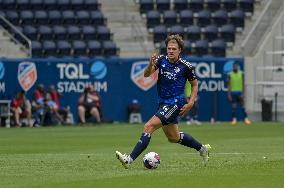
(174, 62)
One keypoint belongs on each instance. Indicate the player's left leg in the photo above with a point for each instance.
(174, 136)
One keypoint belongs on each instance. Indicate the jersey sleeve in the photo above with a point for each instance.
(190, 74)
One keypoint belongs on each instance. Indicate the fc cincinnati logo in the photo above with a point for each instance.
(27, 75)
(137, 75)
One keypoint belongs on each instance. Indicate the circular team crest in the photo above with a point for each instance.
(137, 75)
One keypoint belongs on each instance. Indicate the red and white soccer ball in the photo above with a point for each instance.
(152, 160)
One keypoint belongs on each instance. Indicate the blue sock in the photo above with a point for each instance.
(141, 145)
(234, 109)
(244, 112)
(189, 141)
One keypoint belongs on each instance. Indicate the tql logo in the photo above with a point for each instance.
(137, 75)
(27, 75)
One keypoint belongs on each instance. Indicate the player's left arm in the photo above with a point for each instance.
(194, 88)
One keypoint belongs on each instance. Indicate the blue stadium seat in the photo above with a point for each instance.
(229, 5)
(213, 5)
(23, 4)
(109, 48)
(146, 5)
(163, 5)
(227, 32)
(170, 18)
(89, 32)
(91, 5)
(64, 48)
(30, 32)
(103, 33)
(201, 47)
(186, 17)
(97, 18)
(153, 18)
(41, 17)
(36, 49)
(2, 13)
(187, 50)
(45, 32)
(74, 32)
(9, 5)
(218, 48)
(77, 4)
(54, 17)
(49, 48)
(193, 33)
(79, 47)
(64, 5)
(83, 17)
(94, 48)
(210, 32)
(159, 33)
(177, 29)
(13, 17)
(50, 4)
(247, 5)
(163, 48)
(27, 17)
(180, 5)
(37, 4)
(220, 17)
(59, 32)
(196, 5)
(203, 18)
(237, 18)
(68, 17)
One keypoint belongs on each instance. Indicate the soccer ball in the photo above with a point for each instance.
(151, 160)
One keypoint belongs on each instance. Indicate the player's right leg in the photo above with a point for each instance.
(125, 159)
(205, 153)
(153, 124)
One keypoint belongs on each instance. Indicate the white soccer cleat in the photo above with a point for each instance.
(124, 159)
(204, 153)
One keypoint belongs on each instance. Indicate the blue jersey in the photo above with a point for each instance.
(171, 80)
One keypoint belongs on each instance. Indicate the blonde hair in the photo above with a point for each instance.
(176, 38)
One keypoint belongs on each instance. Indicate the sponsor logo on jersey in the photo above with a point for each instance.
(27, 75)
(137, 76)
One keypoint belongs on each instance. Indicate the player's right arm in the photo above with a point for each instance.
(152, 67)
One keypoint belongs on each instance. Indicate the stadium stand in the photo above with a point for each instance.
(204, 20)
(60, 28)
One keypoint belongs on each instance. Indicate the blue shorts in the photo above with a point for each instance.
(236, 96)
(168, 114)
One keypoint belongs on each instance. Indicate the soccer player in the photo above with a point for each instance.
(235, 93)
(173, 73)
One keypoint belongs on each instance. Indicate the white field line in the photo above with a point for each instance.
(213, 153)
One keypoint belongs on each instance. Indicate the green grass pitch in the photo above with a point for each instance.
(242, 157)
